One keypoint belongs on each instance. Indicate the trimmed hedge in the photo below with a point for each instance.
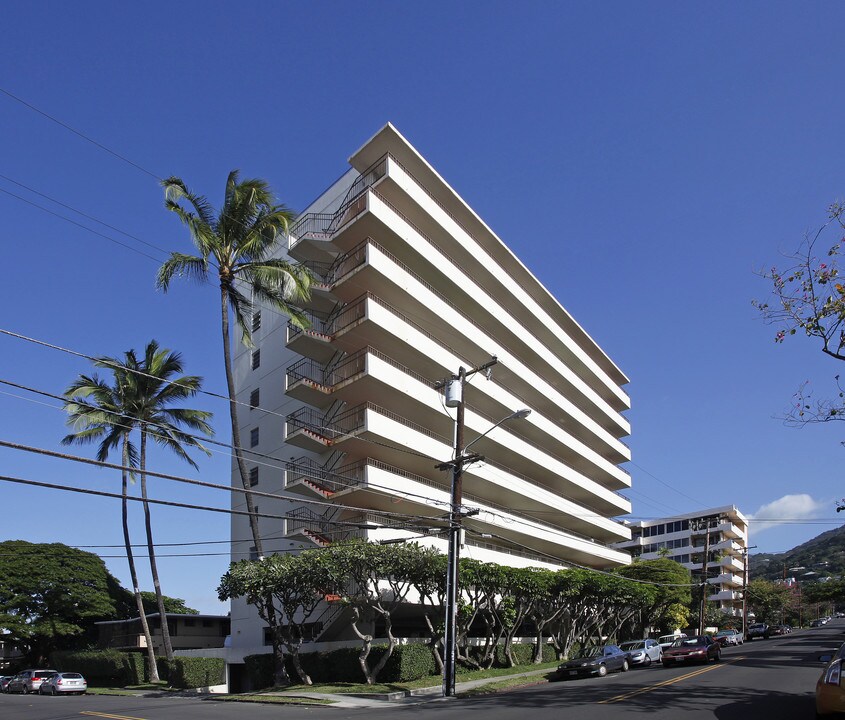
(101, 667)
(523, 654)
(408, 662)
(192, 672)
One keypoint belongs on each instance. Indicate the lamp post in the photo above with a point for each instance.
(455, 398)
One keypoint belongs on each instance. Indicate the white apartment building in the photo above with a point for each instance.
(683, 538)
(411, 286)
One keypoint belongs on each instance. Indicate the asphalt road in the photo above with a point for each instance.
(765, 680)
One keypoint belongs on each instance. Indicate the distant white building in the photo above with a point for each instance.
(412, 285)
(683, 537)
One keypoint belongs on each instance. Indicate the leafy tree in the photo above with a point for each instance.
(175, 606)
(50, 596)
(429, 582)
(808, 298)
(672, 583)
(298, 583)
(237, 246)
(373, 580)
(767, 600)
(139, 399)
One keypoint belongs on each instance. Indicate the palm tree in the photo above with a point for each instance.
(138, 399)
(237, 245)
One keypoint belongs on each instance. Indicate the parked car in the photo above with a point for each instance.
(595, 660)
(830, 695)
(778, 630)
(699, 648)
(69, 682)
(817, 623)
(757, 631)
(728, 636)
(666, 640)
(643, 652)
(4, 682)
(28, 681)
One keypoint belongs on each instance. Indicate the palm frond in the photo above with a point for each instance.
(189, 266)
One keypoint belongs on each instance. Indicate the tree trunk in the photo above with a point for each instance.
(280, 675)
(162, 612)
(366, 646)
(139, 602)
(434, 644)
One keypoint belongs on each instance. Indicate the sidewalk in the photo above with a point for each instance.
(412, 697)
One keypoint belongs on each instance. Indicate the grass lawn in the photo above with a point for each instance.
(426, 682)
(278, 700)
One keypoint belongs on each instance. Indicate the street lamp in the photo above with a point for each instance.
(456, 514)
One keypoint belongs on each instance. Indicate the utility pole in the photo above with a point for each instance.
(697, 525)
(455, 398)
(745, 588)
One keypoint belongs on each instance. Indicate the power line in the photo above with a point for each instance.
(190, 506)
(79, 134)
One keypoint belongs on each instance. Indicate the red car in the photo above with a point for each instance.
(699, 648)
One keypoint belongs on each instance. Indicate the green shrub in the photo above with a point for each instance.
(135, 666)
(408, 662)
(194, 672)
(100, 667)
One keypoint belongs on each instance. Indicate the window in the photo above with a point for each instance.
(189, 623)
(256, 359)
(253, 476)
(253, 437)
(253, 399)
(256, 320)
(207, 623)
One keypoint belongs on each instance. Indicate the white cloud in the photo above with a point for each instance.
(789, 507)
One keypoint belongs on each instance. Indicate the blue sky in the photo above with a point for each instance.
(642, 159)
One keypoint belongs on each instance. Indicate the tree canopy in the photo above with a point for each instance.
(51, 595)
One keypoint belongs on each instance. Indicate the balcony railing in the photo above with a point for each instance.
(326, 224)
(349, 422)
(312, 371)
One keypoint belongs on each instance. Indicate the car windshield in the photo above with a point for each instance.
(688, 642)
(590, 652)
(636, 645)
(723, 633)
(72, 676)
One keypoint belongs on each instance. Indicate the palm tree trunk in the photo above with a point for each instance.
(139, 602)
(280, 675)
(236, 431)
(162, 613)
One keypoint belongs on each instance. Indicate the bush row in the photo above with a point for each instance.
(408, 662)
(116, 668)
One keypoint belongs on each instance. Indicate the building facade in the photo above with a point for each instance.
(712, 542)
(344, 420)
(187, 632)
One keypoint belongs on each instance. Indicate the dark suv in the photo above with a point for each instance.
(28, 681)
(757, 630)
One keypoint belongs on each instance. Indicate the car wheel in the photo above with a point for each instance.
(665, 664)
(625, 666)
(602, 671)
(718, 657)
(53, 691)
(25, 690)
(647, 660)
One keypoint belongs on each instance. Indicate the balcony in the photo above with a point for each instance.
(725, 596)
(311, 237)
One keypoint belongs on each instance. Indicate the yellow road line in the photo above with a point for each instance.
(672, 681)
(106, 715)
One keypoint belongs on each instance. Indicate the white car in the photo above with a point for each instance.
(666, 640)
(643, 652)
